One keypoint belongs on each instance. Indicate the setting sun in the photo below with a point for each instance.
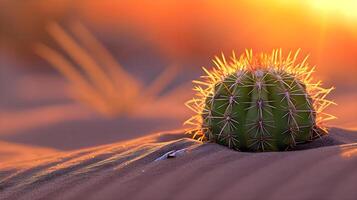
(346, 8)
(327, 8)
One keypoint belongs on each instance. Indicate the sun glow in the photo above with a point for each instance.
(344, 7)
(327, 8)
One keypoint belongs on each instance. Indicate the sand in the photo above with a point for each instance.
(324, 169)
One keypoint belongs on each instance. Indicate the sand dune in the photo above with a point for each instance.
(201, 171)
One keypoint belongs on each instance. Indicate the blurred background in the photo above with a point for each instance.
(159, 46)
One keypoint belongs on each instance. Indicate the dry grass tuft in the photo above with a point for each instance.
(96, 78)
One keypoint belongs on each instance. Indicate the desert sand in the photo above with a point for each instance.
(137, 169)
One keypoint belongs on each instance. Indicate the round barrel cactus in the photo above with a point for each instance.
(259, 103)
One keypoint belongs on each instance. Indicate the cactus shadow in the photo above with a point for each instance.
(336, 136)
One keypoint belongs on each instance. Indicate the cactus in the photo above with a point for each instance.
(259, 103)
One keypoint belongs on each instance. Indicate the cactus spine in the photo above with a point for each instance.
(259, 103)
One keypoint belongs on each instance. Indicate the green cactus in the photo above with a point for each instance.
(261, 103)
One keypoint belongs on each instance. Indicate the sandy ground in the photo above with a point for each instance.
(325, 169)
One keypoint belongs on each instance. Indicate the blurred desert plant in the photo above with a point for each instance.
(97, 79)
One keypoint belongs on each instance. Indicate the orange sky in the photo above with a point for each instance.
(194, 31)
(186, 29)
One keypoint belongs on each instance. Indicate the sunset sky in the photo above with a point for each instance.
(186, 30)
(190, 33)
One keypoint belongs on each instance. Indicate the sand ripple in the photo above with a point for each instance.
(128, 170)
